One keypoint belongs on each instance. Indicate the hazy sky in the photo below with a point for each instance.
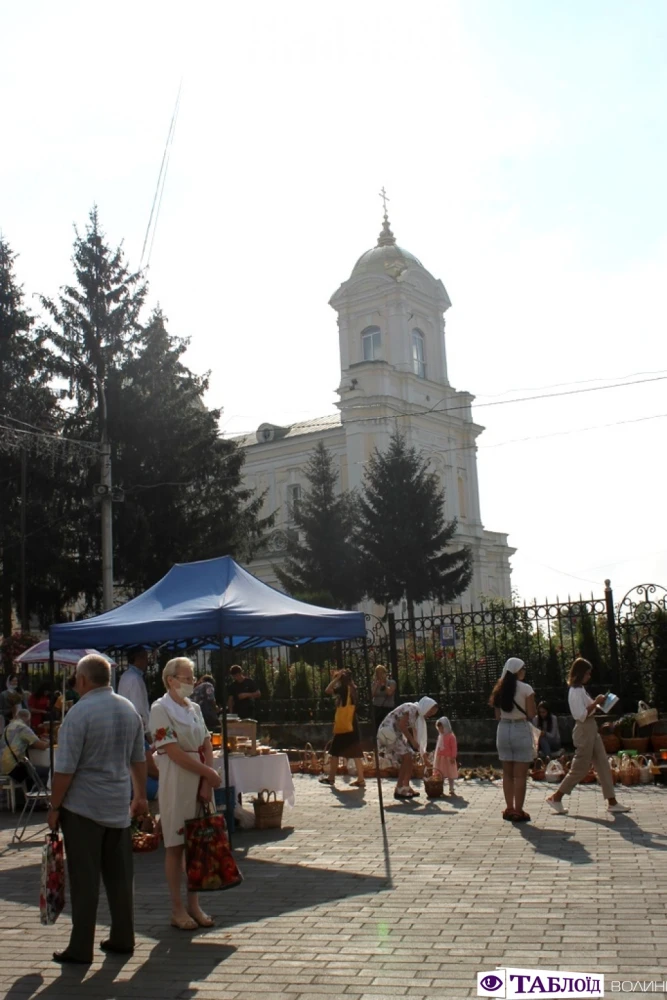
(523, 144)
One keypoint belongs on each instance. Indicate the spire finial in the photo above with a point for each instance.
(386, 237)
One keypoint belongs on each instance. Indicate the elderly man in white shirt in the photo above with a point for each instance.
(132, 684)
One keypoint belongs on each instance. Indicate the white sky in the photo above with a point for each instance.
(523, 144)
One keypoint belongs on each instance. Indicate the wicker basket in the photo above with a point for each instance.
(629, 772)
(638, 743)
(646, 716)
(433, 785)
(268, 814)
(538, 771)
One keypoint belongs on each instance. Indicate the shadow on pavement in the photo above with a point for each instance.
(624, 825)
(168, 971)
(556, 844)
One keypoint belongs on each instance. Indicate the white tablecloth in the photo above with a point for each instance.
(41, 757)
(252, 774)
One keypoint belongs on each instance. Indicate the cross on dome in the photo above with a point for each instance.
(386, 237)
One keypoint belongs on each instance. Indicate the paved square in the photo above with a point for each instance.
(322, 912)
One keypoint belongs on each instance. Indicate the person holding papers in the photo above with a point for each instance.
(588, 747)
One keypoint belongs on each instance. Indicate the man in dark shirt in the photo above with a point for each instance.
(243, 690)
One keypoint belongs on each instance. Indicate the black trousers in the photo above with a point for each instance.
(92, 851)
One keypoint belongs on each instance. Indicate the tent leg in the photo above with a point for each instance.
(375, 741)
(225, 748)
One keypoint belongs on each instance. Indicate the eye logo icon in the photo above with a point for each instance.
(491, 983)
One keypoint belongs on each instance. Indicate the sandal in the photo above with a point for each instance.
(357, 783)
(326, 781)
(202, 919)
(509, 814)
(186, 923)
(521, 817)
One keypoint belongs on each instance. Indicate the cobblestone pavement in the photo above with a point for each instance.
(324, 911)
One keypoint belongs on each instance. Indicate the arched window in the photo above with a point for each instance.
(371, 343)
(418, 358)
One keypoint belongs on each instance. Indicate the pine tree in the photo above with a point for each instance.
(325, 561)
(28, 416)
(403, 536)
(183, 493)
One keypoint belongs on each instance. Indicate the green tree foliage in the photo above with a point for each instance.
(184, 498)
(324, 561)
(403, 536)
(28, 406)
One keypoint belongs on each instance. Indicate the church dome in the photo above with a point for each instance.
(386, 257)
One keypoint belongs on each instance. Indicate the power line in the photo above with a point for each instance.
(558, 385)
(161, 180)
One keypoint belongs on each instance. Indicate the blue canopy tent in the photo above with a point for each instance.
(211, 604)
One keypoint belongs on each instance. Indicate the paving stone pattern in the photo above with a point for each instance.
(325, 911)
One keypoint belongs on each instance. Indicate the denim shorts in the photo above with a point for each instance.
(514, 741)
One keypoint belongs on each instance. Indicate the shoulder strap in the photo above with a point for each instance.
(521, 709)
(4, 736)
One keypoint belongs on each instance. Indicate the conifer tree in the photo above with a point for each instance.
(404, 539)
(323, 563)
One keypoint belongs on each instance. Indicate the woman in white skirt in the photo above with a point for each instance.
(514, 704)
(588, 746)
(185, 761)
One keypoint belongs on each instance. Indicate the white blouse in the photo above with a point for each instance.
(579, 699)
(521, 695)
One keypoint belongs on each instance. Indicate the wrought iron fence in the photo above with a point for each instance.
(457, 657)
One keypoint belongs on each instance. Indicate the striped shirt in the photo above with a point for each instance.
(101, 736)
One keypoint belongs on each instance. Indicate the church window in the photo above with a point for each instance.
(293, 499)
(462, 498)
(418, 362)
(371, 343)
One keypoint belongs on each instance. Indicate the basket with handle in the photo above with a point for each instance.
(634, 742)
(629, 772)
(418, 767)
(433, 784)
(645, 765)
(268, 812)
(613, 766)
(646, 716)
(538, 770)
(610, 740)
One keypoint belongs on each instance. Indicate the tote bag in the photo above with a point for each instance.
(52, 884)
(209, 863)
(344, 717)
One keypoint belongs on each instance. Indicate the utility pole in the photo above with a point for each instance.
(22, 596)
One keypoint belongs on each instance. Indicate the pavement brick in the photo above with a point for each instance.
(324, 913)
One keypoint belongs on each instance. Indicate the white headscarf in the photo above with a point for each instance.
(513, 666)
(424, 705)
(445, 725)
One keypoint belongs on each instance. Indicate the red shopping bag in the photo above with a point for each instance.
(52, 886)
(209, 862)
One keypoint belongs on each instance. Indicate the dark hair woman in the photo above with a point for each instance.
(346, 740)
(550, 742)
(514, 704)
(12, 696)
(588, 746)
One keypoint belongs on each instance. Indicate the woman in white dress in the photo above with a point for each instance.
(185, 761)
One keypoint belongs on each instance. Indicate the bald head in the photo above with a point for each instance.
(94, 671)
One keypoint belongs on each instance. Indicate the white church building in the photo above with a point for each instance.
(393, 374)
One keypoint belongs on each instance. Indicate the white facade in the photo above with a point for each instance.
(391, 332)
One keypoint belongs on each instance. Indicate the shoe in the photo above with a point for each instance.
(557, 806)
(65, 958)
(521, 817)
(202, 919)
(403, 795)
(111, 949)
(509, 814)
(412, 793)
(357, 784)
(618, 808)
(186, 923)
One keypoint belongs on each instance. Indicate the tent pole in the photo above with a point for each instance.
(225, 748)
(375, 739)
(52, 682)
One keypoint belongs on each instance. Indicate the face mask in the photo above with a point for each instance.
(185, 689)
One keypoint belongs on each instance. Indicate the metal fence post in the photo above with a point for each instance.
(613, 637)
(393, 652)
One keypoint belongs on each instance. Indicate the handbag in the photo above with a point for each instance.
(209, 862)
(535, 733)
(52, 883)
(344, 717)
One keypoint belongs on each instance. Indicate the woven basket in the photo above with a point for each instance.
(268, 814)
(646, 716)
(418, 768)
(433, 785)
(613, 766)
(629, 772)
(638, 743)
(645, 765)
(538, 771)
